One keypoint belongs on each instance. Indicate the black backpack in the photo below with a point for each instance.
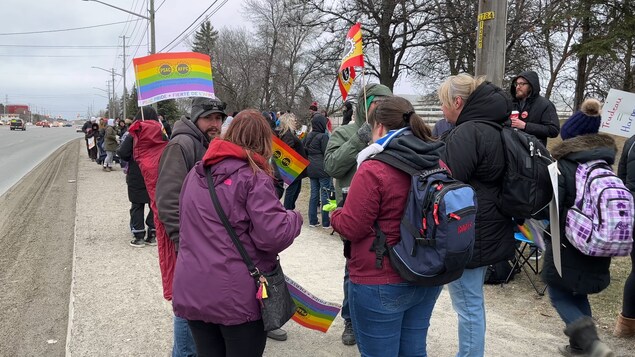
(437, 228)
(500, 273)
(526, 190)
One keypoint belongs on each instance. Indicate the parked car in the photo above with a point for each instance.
(18, 124)
(46, 124)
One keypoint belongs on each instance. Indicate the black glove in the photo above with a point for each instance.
(364, 133)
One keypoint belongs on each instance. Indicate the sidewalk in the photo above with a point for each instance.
(117, 308)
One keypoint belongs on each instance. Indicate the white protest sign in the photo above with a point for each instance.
(618, 114)
(554, 217)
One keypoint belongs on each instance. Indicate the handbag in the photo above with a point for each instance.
(276, 304)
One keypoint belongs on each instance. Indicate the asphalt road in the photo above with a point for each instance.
(37, 235)
(21, 151)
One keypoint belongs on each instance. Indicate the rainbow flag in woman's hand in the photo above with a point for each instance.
(291, 163)
(173, 75)
(311, 312)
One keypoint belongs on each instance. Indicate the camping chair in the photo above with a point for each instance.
(522, 262)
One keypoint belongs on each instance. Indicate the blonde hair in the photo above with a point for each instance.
(461, 85)
(287, 123)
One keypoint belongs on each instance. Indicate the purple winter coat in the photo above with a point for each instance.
(211, 281)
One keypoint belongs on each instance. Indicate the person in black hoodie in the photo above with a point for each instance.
(581, 274)
(347, 113)
(537, 115)
(137, 192)
(315, 146)
(474, 154)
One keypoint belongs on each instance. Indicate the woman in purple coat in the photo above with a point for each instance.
(212, 286)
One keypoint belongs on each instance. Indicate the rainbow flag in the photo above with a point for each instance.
(532, 230)
(291, 163)
(311, 312)
(173, 75)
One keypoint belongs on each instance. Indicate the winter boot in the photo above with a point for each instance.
(583, 335)
(624, 327)
(151, 238)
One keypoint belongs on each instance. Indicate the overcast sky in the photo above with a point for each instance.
(45, 64)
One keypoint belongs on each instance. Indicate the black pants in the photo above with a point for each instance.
(245, 340)
(137, 225)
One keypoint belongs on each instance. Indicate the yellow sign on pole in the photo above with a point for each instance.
(482, 17)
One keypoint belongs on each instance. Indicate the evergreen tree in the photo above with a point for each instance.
(169, 110)
(205, 39)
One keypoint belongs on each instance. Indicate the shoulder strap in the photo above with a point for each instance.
(253, 271)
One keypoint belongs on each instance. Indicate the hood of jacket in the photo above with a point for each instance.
(185, 127)
(372, 90)
(318, 123)
(534, 82)
(412, 151)
(220, 150)
(487, 103)
(586, 148)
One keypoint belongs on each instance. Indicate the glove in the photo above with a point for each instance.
(364, 133)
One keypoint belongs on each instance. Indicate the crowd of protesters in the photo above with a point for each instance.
(169, 168)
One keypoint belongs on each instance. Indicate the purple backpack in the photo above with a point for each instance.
(600, 222)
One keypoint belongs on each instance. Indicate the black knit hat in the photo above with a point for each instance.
(585, 121)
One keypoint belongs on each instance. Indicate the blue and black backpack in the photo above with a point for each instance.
(437, 228)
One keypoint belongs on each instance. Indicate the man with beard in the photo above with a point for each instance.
(190, 139)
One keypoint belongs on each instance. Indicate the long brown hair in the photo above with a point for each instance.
(396, 113)
(250, 130)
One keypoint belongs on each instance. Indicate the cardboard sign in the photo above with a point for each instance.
(618, 114)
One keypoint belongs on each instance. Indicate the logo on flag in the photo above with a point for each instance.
(345, 80)
(353, 55)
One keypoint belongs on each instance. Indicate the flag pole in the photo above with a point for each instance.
(136, 70)
(364, 88)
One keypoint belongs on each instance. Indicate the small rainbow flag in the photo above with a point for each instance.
(173, 75)
(291, 163)
(532, 230)
(311, 312)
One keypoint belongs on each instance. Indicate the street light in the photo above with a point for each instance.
(150, 18)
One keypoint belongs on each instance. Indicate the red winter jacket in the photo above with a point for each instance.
(149, 143)
(378, 192)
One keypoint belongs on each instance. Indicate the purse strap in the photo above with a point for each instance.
(253, 271)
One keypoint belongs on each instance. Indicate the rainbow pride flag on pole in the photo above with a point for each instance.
(311, 312)
(291, 163)
(173, 75)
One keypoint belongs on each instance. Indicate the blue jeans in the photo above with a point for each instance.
(184, 345)
(469, 303)
(346, 308)
(319, 195)
(570, 306)
(291, 194)
(391, 319)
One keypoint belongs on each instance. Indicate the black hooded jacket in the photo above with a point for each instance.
(137, 192)
(315, 146)
(474, 154)
(626, 167)
(580, 273)
(536, 111)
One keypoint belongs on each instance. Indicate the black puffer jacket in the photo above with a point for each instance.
(315, 146)
(537, 111)
(137, 192)
(580, 273)
(474, 154)
(626, 167)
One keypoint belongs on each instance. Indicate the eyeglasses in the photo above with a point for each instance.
(520, 84)
(215, 106)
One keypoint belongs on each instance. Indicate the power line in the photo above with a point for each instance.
(60, 46)
(62, 30)
(193, 23)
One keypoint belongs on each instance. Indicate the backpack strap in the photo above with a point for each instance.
(379, 247)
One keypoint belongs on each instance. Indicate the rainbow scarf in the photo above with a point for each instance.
(311, 312)
(291, 163)
(173, 75)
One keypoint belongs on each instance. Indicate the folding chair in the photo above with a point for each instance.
(522, 262)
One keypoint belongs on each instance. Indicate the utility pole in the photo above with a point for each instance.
(490, 44)
(114, 96)
(125, 97)
(109, 100)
